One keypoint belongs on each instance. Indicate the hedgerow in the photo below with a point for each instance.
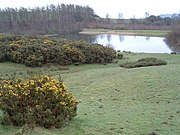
(33, 51)
(40, 101)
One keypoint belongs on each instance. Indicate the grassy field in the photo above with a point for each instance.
(157, 33)
(114, 100)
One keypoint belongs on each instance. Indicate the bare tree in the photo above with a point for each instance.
(146, 14)
(120, 16)
(107, 16)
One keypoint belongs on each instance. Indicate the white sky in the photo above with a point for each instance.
(129, 8)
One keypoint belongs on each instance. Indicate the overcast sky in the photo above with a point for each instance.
(129, 8)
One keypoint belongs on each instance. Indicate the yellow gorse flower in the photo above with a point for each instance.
(31, 82)
(37, 88)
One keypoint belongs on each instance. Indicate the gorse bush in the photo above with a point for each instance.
(39, 100)
(144, 62)
(38, 51)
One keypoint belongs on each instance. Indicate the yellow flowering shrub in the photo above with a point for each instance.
(40, 100)
(74, 54)
(36, 51)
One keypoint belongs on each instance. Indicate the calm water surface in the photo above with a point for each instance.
(135, 43)
(127, 43)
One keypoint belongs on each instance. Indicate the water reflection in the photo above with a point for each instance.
(108, 38)
(147, 38)
(102, 36)
(121, 38)
(127, 43)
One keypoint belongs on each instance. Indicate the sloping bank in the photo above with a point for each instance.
(158, 33)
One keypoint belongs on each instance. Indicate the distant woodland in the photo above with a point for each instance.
(150, 22)
(51, 19)
(66, 19)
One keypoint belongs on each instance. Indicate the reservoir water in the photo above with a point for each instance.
(126, 43)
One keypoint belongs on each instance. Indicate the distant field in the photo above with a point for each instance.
(114, 100)
(158, 33)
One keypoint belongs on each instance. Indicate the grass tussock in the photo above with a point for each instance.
(144, 62)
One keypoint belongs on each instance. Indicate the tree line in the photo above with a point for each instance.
(60, 19)
(148, 23)
(66, 19)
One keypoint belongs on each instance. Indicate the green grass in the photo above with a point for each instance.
(157, 33)
(114, 100)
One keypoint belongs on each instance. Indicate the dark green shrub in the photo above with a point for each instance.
(34, 61)
(2, 53)
(17, 57)
(173, 39)
(95, 53)
(2, 57)
(119, 56)
(39, 100)
(144, 63)
(120, 27)
(74, 54)
(7, 38)
(109, 53)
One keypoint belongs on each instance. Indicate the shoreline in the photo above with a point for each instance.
(115, 33)
(156, 33)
